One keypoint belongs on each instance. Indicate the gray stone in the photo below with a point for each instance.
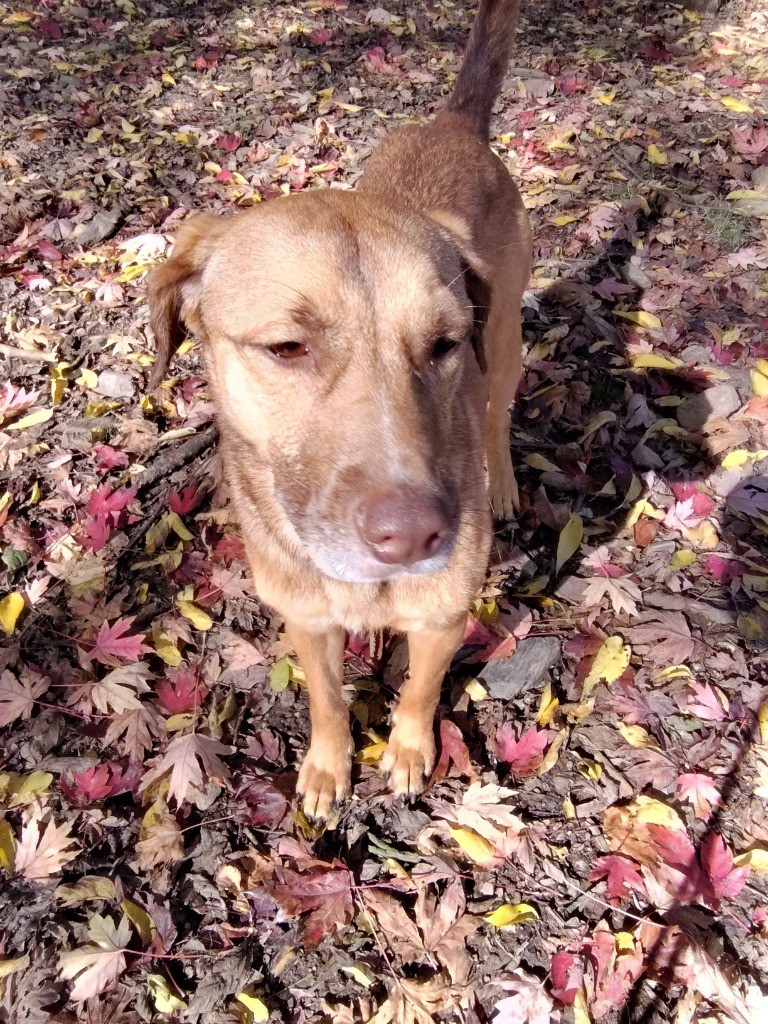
(507, 678)
(113, 384)
(714, 403)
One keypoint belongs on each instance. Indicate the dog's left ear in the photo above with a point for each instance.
(174, 288)
(475, 274)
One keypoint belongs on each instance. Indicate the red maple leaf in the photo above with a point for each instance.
(103, 501)
(621, 876)
(567, 975)
(230, 142)
(724, 570)
(185, 502)
(97, 532)
(717, 861)
(452, 748)
(108, 457)
(523, 754)
(99, 782)
(184, 693)
(324, 895)
(113, 647)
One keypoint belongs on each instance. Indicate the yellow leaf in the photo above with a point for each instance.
(9, 967)
(87, 378)
(11, 607)
(607, 98)
(166, 649)
(570, 538)
(762, 722)
(536, 461)
(358, 974)
(641, 318)
(165, 1000)
(486, 612)
(33, 420)
(371, 754)
(180, 721)
(654, 812)
(637, 736)
(88, 887)
(7, 846)
(610, 662)
(674, 672)
(649, 361)
(657, 156)
(735, 459)
(95, 409)
(198, 618)
(569, 811)
(757, 859)
(140, 919)
(625, 942)
(749, 627)
(642, 508)
(255, 1009)
(590, 770)
(475, 690)
(736, 105)
(548, 705)
(476, 848)
(18, 790)
(580, 1011)
(682, 559)
(563, 219)
(512, 913)
(759, 384)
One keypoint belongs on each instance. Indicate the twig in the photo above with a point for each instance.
(175, 457)
(33, 354)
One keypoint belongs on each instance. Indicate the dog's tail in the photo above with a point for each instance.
(485, 62)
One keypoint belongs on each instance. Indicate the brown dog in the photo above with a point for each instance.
(364, 349)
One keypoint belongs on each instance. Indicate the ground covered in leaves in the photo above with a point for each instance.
(594, 842)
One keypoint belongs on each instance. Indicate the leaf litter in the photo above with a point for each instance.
(592, 846)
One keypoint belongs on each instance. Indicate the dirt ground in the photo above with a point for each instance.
(594, 842)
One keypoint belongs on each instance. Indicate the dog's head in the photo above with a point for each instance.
(344, 345)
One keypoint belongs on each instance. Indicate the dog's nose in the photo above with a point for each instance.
(403, 527)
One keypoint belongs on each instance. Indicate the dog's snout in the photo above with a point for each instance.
(402, 527)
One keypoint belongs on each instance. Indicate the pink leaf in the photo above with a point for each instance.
(186, 502)
(701, 792)
(621, 875)
(707, 703)
(523, 755)
(717, 861)
(113, 646)
(185, 693)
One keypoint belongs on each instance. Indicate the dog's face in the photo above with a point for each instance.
(346, 358)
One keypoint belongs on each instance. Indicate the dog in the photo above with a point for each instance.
(364, 349)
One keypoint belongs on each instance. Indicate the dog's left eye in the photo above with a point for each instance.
(441, 348)
(288, 350)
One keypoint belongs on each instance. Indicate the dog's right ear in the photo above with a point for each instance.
(174, 288)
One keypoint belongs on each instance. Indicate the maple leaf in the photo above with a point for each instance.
(18, 696)
(44, 849)
(265, 805)
(134, 730)
(112, 646)
(108, 457)
(620, 591)
(184, 693)
(663, 637)
(701, 792)
(481, 809)
(750, 141)
(566, 976)
(709, 704)
(530, 1004)
(98, 783)
(324, 894)
(599, 559)
(118, 690)
(452, 749)
(103, 501)
(717, 861)
(96, 965)
(161, 840)
(621, 876)
(186, 502)
(14, 401)
(524, 754)
(187, 758)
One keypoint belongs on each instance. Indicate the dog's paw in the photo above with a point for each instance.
(409, 758)
(502, 486)
(324, 782)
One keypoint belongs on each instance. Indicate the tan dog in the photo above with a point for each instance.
(364, 348)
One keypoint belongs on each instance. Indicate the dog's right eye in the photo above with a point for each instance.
(441, 348)
(288, 350)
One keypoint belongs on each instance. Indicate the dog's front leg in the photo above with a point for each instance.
(410, 753)
(324, 778)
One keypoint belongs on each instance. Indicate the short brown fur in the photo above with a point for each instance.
(434, 243)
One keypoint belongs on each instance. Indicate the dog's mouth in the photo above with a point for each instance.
(349, 566)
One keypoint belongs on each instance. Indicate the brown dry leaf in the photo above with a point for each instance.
(187, 758)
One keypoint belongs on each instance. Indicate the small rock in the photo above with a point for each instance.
(507, 678)
(720, 401)
(572, 589)
(112, 384)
